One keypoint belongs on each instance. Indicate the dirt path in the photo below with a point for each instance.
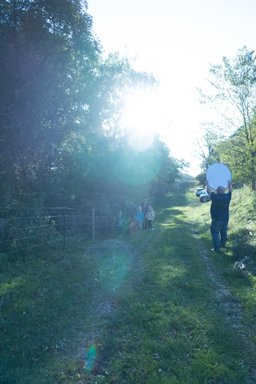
(120, 270)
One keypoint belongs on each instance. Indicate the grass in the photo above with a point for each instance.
(166, 327)
(39, 316)
(242, 244)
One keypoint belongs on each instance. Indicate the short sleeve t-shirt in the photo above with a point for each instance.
(220, 206)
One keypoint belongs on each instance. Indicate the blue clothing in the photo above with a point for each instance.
(220, 206)
(219, 233)
(139, 217)
(220, 217)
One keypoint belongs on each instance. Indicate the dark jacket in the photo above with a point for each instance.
(220, 206)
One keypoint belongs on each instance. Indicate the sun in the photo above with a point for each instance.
(140, 119)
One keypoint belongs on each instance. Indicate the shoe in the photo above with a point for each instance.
(215, 250)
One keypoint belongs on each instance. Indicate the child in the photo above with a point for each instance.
(139, 217)
(150, 215)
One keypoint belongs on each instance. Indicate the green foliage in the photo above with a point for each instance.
(234, 86)
(208, 149)
(234, 82)
(169, 170)
(60, 107)
(38, 100)
(240, 153)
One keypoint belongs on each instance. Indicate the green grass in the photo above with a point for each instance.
(165, 327)
(40, 297)
(242, 243)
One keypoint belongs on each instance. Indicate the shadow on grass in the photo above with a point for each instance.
(41, 315)
(243, 242)
(244, 249)
(166, 206)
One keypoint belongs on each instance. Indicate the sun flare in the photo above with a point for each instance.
(140, 119)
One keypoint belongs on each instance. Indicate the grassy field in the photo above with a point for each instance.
(154, 307)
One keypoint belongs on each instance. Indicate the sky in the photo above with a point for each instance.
(176, 41)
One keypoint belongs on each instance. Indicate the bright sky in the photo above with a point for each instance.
(176, 40)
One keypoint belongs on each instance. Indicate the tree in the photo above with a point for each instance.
(234, 92)
(59, 103)
(42, 43)
(169, 169)
(208, 152)
(240, 156)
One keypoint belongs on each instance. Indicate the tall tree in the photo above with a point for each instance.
(42, 42)
(240, 156)
(208, 152)
(59, 100)
(234, 90)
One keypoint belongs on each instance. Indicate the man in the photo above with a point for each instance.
(219, 215)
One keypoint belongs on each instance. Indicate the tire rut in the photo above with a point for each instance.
(229, 306)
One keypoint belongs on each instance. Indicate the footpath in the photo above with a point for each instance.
(163, 312)
(149, 307)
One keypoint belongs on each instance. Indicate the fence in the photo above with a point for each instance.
(28, 229)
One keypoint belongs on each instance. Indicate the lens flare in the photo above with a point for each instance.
(90, 358)
(113, 272)
(141, 118)
(137, 168)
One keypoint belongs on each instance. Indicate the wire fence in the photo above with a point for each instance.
(27, 230)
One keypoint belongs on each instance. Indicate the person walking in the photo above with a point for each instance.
(150, 215)
(219, 215)
(145, 210)
(139, 218)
